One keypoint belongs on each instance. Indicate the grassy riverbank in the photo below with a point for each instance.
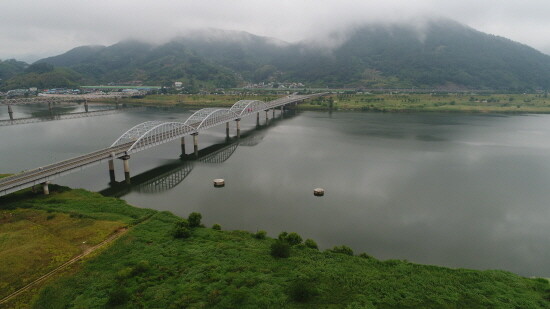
(148, 267)
(495, 103)
(192, 100)
(467, 103)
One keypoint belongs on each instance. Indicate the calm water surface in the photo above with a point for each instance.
(456, 190)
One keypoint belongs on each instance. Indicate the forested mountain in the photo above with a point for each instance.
(437, 53)
(10, 68)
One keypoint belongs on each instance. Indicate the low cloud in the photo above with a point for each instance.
(32, 29)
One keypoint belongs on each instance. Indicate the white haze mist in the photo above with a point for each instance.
(31, 29)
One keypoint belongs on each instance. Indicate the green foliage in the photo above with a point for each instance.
(310, 243)
(260, 234)
(342, 249)
(194, 219)
(181, 232)
(57, 78)
(217, 227)
(117, 297)
(291, 238)
(39, 68)
(302, 290)
(280, 249)
(230, 269)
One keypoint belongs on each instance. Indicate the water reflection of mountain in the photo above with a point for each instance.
(168, 176)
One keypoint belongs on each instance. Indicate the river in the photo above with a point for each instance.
(458, 190)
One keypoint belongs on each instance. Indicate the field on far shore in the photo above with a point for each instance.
(467, 103)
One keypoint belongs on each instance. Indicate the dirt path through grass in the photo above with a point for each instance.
(110, 239)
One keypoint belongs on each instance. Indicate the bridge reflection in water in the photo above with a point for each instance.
(166, 177)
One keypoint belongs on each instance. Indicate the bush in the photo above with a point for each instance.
(182, 223)
(181, 230)
(118, 297)
(342, 249)
(280, 249)
(260, 234)
(293, 239)
(195, 219)
(366, 256)
(216, 227)
(310, 243)
(301, 290)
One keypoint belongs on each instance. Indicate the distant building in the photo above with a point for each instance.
(178, 84)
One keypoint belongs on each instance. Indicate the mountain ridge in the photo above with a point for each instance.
(439, 53)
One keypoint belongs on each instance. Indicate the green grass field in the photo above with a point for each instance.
(149, 268)
(39, 233)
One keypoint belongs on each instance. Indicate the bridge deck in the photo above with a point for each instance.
(47, 173)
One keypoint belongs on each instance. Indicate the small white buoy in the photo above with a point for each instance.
(318, 192)
(219, 182)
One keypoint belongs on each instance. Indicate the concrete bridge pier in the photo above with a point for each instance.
(86, 105)
(196, 144)
(10, 111)
(112, 170)
(183, 146)
(125, 160)
(50, 107)
(257, 118)
(266, 116)
(45, 188)
(238, 121)
(116, 103)
(227, 129)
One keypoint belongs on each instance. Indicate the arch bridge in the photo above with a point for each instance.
(146, 135)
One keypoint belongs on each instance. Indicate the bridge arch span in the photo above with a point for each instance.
(245, 107)
(159, 134)
(210, 117)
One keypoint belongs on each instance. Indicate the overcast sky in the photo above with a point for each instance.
(32, 29)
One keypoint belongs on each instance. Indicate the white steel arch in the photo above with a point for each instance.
(135, 132)
(159, 134)
(245, 107)
(210, 117)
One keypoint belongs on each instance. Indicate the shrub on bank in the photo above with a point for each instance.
(342, 249)
(260, 234)
(310, 243)
(280, 249)
(194, 219)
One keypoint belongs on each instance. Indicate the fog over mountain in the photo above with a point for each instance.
(30, 30)
(437, 53)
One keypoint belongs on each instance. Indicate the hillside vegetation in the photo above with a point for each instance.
(441, 54)
(168, 262)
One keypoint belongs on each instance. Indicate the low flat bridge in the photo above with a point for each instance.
(53, 117)
(146, 135)
(59, 98)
